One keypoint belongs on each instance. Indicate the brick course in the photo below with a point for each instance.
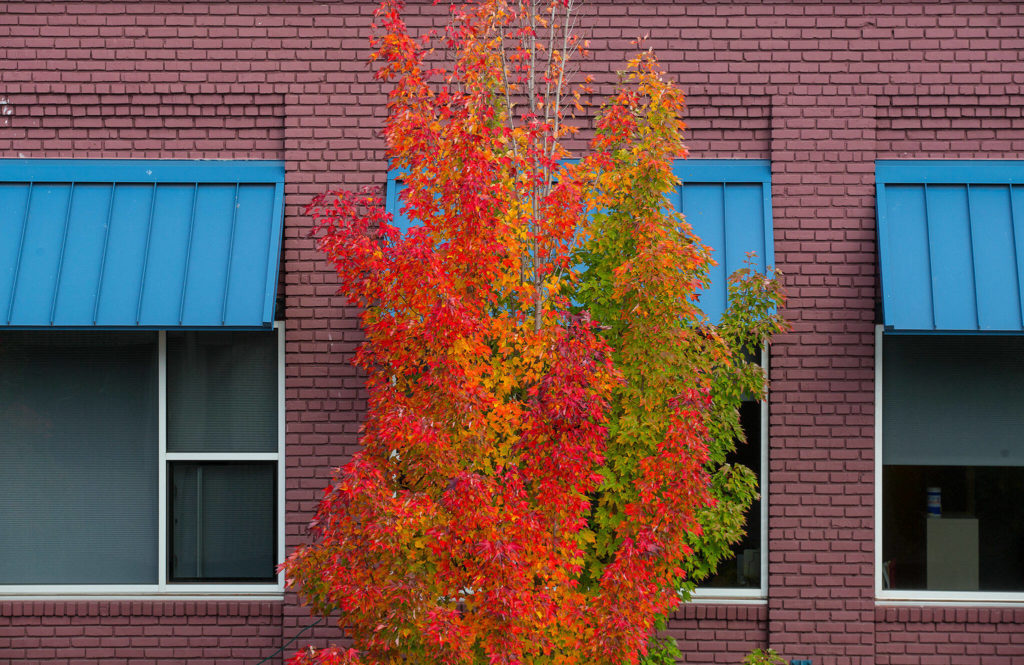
(822, 89)
(207, 632)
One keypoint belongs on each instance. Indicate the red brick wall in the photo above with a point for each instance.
(200, 633)
(719, 634)
(822, 89)
(937, 636)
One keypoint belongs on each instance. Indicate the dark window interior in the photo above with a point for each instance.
(222, 521)
(952, 417)
(744, 570)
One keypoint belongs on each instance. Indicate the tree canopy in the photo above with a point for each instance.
(543, 462)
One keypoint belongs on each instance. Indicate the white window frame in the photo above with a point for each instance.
(740, 595)
(164, 589)
(916, 597)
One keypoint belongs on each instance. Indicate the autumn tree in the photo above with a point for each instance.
(541, 469)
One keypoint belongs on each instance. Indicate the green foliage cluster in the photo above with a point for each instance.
(763, 657)
(664, 345)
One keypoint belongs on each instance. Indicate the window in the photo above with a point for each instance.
(222, 422)
(745, 575)
(140, 461)
(746, 570)
(952, 463)
(79, 463)
(141, 381)
(949, 381)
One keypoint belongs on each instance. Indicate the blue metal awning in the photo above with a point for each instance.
(951, 245)
(727, 201)
(129, 244)
(392, 203)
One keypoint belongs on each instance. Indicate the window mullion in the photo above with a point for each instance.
(199, 522)
(281, 429)
(762, 480)
(162, 461)
(221, 457)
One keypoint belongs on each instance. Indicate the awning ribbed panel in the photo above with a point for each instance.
(728, 203)
(139, 243)
(951, 245)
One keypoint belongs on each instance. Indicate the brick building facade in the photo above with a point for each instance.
(822, 90)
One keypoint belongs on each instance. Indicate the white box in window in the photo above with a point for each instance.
(953, 553)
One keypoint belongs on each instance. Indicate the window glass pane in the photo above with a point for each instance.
(221, 391)
(222, 521)
(78, 457)
(953, 400)
(744, 570)
(953, 470)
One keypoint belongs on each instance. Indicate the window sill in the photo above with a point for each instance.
(245, 592)
(729, 596)
(950, 598)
